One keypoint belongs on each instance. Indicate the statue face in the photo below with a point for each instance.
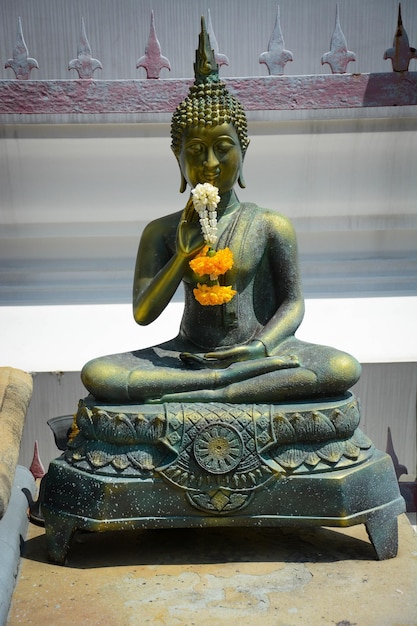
(211, 154)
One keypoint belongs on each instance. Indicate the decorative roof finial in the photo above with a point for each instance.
(206, 70)
(21, 63)
(152, 60)
(84, 64)
(401, 52)
(276, 56)
(339, 56)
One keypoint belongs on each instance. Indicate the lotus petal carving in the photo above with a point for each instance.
(115, 428)
(312, 427)
(292, 456)
(99, 458)
(312, 457)
(75, 452)
(148, 430)
(85, 422)
(141, 459)
(332, 452)
(283, 429)
(361, 440)
(351, 451)
(346, 421)
(120, 462)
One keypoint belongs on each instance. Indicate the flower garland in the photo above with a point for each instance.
(209, 262)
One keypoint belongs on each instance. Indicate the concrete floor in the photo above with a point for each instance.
(274, 577)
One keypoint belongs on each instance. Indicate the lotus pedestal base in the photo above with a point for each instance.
(205, 465)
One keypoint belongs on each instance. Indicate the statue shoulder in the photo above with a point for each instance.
(162, 226)
(165, 220)
(276, 223)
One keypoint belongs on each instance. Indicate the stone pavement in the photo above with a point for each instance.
(244, 577)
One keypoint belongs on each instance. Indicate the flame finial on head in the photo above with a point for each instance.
(206, 69)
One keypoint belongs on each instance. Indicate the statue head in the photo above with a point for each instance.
(208, 104)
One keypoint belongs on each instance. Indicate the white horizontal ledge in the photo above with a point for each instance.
(63, 338)
(264, 93)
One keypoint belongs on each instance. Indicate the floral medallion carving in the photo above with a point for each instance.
(218, 448)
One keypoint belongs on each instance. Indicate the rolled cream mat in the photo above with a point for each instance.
(13, 532)
(15, 393)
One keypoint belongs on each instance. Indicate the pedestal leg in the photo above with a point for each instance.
(59, 530)
(382, 529)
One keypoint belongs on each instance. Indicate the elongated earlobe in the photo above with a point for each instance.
(183, 185)
(241, 180)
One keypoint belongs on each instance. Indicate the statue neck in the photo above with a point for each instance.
(229, 202)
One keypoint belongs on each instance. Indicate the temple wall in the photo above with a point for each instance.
(118, 33)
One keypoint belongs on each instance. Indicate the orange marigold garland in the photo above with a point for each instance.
(209, 262)
(210, 295)
(212, 262)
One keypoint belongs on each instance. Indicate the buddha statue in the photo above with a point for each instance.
(234, 421)
(242, 348)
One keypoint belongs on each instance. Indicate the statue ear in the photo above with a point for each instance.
(183, 185)
(241, 179)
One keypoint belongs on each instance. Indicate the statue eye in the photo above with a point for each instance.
(195, 149)
(224, 146)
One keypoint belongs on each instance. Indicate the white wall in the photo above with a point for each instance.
(75, 200)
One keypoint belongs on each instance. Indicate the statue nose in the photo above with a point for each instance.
(211, 159)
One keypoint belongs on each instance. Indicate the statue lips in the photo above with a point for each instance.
(211, 177)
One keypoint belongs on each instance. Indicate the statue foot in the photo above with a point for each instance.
(264, 365)
(214, 385)
(197, 361)
(247, 370)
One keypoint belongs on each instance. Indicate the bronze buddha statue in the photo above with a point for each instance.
(235, 420)
(243, 350)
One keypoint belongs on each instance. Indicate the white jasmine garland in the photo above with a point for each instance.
(210, 263)
(205, 200)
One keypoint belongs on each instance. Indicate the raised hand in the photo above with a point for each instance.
(189, 236)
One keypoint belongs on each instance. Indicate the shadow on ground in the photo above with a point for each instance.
(206, 546)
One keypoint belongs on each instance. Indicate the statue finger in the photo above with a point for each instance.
(191, 359)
